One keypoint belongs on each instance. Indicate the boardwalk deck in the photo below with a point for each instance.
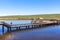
(25, 25)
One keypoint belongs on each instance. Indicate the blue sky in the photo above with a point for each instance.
(29, 7)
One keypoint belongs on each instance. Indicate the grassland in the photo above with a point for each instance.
(45, 16)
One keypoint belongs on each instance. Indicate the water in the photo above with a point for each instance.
(47, 33)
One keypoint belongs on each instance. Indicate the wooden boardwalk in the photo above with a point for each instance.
(18, 26)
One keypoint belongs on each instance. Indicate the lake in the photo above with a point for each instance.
(46, 33)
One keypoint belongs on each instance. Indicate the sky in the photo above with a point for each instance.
(29, 7)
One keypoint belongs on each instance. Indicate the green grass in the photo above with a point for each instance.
(45, 16)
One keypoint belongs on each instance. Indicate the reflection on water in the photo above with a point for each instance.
(48, 33)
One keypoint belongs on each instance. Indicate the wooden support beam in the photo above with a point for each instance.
(37, 25)
(57, 22)
(3, 29)
(19, 28)
(26, 27)
(10, 28)
(41, 25)
(32, 26)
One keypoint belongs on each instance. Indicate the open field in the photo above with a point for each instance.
(45, 16)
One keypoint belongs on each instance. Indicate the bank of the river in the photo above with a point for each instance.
(26, 17)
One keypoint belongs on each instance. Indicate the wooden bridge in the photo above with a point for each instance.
(18, 26)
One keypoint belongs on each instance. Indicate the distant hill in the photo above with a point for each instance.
(45, 16)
